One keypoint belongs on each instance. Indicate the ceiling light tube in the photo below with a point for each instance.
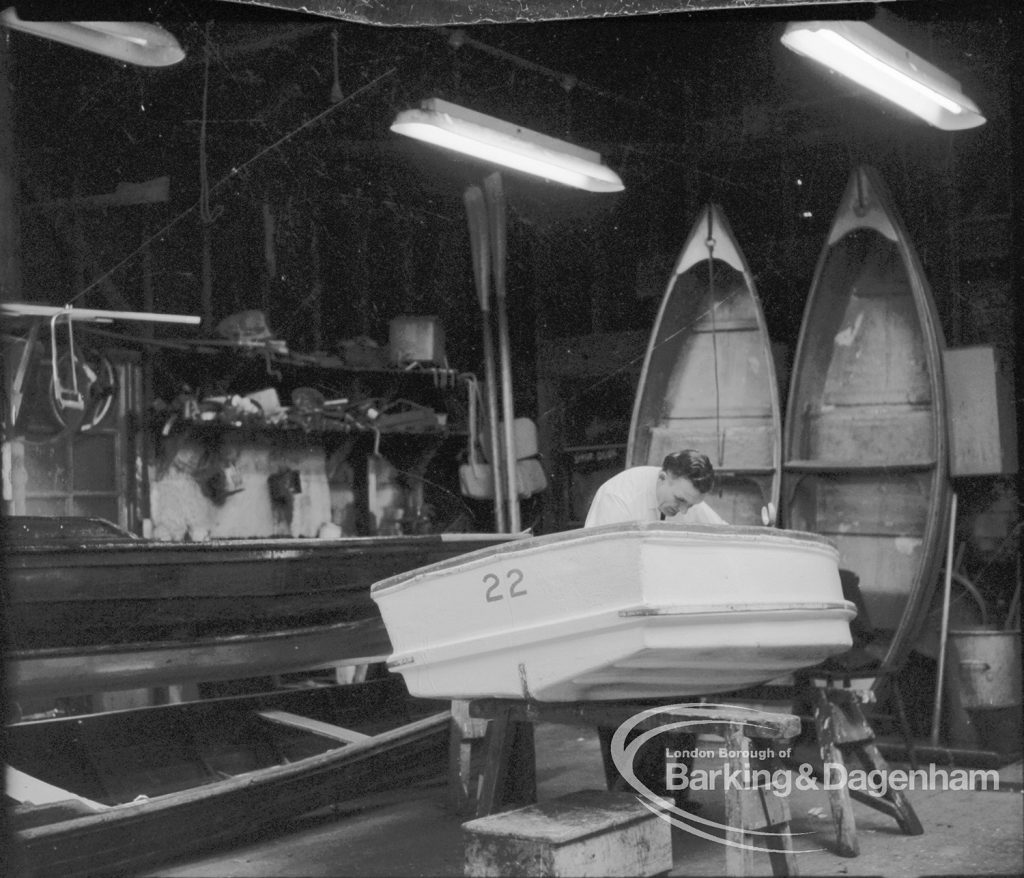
(494, 140)
(868, 57)
(146, 45)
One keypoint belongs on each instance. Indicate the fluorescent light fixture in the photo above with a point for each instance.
(867, 56)
(494, 140)
(146, 45)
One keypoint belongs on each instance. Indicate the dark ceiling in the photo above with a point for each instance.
(695, 105)
(420, 13)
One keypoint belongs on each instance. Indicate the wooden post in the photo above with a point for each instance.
(317, 287)
(206, 306)
(269, 256)
(10, 248)
(143, 442)
(464, 739)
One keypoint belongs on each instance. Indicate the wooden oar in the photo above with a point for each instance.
(476, 211)
(496, 211)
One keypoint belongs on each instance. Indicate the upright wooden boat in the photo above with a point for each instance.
(708, 380)
(638, 610)
(90, 608)
(865, 457)
(109, 794)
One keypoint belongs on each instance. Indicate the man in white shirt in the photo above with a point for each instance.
(674, 491)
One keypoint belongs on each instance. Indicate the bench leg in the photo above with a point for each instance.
(843, 729)
(465, 743)
(510, 772)
(825, 724)
(754, 808)
(893, 802)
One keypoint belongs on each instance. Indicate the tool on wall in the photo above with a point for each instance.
(64, 397)
(17, 390)
(76, 370)
(93, 383)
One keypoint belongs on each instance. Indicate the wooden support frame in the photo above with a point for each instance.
(509, 769)
(843, 731)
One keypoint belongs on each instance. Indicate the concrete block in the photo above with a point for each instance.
(587, 833)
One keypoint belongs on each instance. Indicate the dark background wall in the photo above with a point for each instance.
(368, 224)
(365, 225)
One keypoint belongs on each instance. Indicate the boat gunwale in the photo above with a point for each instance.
(214, 642)
(63, 839)
(768, 537)
(116, 552)
(74, 670)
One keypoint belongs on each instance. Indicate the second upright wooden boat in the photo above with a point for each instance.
(865, 458)
(708, 380)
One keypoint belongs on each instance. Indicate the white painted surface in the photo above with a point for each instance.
(617, 612)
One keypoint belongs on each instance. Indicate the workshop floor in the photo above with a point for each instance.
(412, 833)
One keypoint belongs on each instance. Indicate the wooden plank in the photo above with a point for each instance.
(772, 726)
(26, 789)
(846, 466)
(325, 730)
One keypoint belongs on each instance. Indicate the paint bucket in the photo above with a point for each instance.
(987, 666)
(987, 662)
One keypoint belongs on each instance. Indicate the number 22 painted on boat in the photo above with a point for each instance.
(493, 583)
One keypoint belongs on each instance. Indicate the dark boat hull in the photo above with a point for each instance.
(708, 380)
(865, 448)
(178, 760)
(107, 612)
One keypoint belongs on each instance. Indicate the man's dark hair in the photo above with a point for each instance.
(692, 465)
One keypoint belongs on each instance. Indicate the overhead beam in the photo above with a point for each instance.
(428, 13)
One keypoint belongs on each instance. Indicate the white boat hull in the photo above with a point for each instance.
(617, 612)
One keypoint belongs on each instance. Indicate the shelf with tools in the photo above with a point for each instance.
(365, 449)
(249, 388)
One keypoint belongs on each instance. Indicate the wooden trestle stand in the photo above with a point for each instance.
(493, 768)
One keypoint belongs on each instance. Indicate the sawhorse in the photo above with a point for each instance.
(746, 734)
(843, 731)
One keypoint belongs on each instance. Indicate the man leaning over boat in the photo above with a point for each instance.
(675, 492)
